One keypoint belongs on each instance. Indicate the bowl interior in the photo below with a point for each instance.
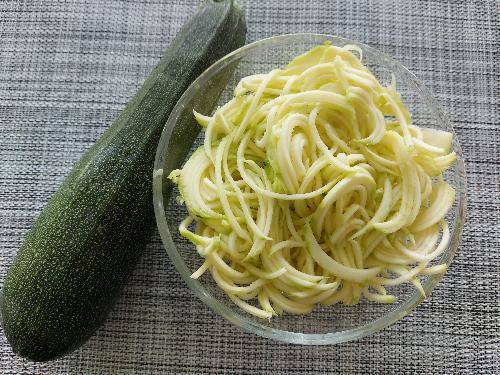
(214, 87)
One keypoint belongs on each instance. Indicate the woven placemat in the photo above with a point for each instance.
(68, 67)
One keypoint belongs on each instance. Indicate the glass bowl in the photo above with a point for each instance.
(325, 325)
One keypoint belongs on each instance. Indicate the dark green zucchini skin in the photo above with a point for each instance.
(90, 235)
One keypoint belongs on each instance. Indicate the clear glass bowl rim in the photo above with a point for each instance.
(239, 319)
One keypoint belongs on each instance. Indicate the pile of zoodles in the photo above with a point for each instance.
(313, 186)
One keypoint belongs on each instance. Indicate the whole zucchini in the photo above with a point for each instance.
(88, 238)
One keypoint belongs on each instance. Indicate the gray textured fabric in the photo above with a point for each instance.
(67, 68)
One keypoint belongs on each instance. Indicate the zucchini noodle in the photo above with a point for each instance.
(305, 192)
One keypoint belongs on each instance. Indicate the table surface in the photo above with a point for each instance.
(67, 68)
